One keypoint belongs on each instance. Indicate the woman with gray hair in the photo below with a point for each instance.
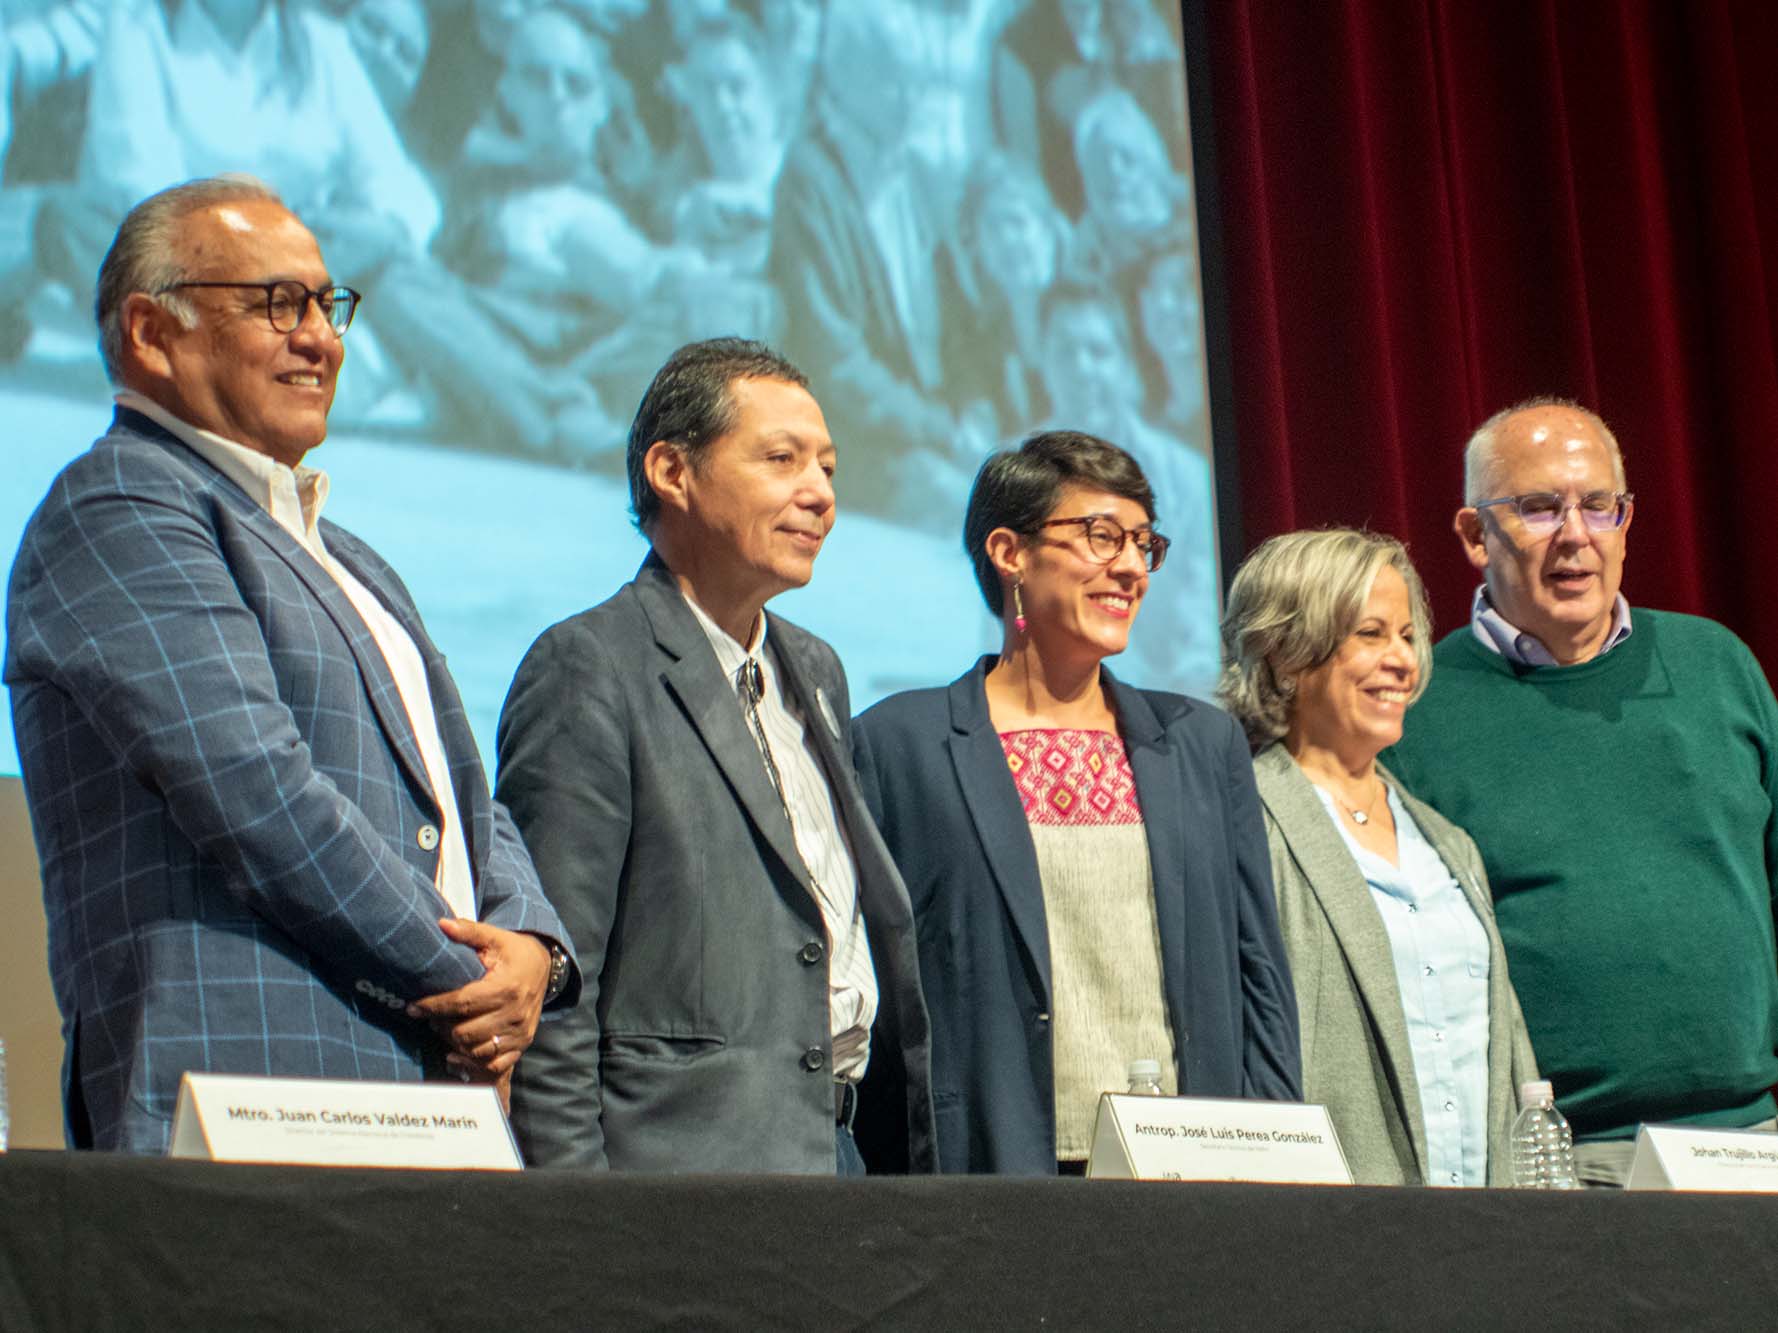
(1411, 1034)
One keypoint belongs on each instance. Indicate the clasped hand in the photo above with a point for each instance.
(490, 1022)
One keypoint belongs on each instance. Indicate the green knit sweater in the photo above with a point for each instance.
(1625, 809)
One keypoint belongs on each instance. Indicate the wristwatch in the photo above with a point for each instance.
(558, 972)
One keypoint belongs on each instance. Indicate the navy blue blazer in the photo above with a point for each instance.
(236, 829)
(935, 777)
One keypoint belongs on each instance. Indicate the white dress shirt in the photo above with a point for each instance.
(820, 839)
(294, 497)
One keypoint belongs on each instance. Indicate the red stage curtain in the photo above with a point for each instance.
(1434, 208)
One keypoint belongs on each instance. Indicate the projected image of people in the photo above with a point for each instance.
(184, 88)
(391, 38)
(541, 199)
(537, 248)
(1094, 383)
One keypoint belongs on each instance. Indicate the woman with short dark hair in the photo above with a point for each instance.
(1085, 860)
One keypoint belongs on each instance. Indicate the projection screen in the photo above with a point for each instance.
(965, 219)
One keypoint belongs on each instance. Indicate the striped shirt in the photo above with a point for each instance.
(820, 839)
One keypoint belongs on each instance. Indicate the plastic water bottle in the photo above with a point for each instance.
(1145, 1078)
(1543, 1145)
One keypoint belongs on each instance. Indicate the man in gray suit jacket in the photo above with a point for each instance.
(678, 761)
(266, 839)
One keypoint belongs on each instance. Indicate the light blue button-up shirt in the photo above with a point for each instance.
(1441, 967)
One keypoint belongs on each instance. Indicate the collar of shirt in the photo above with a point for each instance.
(730, 652)
(294, 497)
(1497, 634)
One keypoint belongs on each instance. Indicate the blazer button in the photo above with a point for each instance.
(811, 952)
(427, 837)
(814, 1058)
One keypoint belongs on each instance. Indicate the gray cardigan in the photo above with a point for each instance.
(1357, 1060)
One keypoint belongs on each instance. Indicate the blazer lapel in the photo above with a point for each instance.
(462, 758)
(820, 727)
(810, 700)
(1001, 828)
(1339, 886)
(385, 695)
(714, 709)
(1165, 817)
(379, 682)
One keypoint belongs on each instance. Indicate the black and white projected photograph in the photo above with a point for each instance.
(964, 219)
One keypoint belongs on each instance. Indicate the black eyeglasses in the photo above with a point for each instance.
(287, 302)
(1106, 538)
(1543, 512)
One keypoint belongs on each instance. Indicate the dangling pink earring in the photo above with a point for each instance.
(1018, 605)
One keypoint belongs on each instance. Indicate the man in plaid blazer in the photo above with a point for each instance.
(267, 842)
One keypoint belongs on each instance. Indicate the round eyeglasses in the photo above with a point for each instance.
(1543, 512)
(1106, 538)
(287, 302)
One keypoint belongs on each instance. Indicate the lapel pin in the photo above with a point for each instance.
(827, 712)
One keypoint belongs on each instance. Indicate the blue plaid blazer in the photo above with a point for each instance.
(237, 836)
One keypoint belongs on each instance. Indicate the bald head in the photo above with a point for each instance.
(1530, 424)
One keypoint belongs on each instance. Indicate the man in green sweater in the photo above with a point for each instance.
(1619, 771)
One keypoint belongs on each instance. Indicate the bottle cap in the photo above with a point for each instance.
(1149, 1071)
(1538, 1092)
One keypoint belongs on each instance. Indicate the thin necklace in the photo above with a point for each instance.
(1359, 816)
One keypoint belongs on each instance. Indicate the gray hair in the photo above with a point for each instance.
(144, 255)
(1294, 601)
(1479, 453)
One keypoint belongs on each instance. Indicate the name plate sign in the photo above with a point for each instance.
(341, 1122)
(1675, 1157)
(1210, 1138)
